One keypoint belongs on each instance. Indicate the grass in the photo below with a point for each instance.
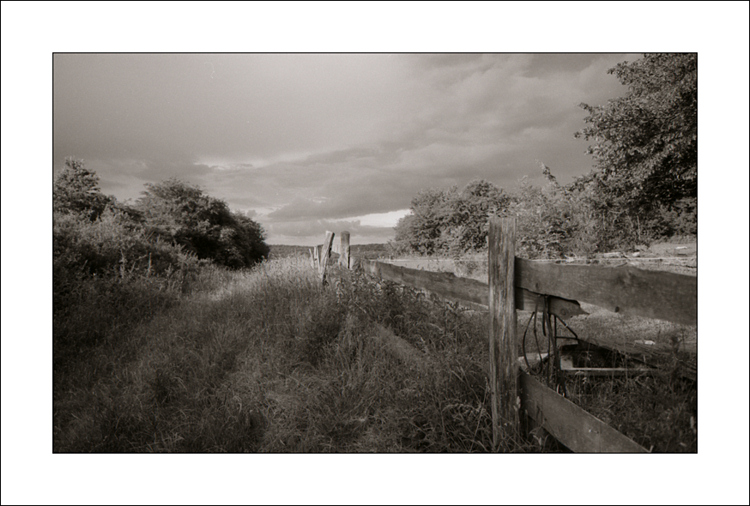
(270, 361)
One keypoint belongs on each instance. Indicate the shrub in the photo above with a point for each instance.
(182, 214)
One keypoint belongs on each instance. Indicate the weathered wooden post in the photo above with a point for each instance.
(344, 250)
(325, 255)
(503, 348)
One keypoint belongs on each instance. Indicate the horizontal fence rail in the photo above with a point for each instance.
(627, 290)
(574, 427)
(449, 286)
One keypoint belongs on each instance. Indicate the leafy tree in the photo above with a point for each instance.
(423, 228)
(76, 190)
(183, 214)
(645, 147)
(469, 214)
(242, 244)
(450, 221)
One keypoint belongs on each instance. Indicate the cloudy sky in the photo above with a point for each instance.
(312, 142)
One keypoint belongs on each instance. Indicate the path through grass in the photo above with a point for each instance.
(276, 363)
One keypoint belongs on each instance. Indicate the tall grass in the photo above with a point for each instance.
(271, 361)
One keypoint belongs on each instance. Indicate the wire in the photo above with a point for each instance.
(523, 340)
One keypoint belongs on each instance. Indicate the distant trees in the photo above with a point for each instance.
(645, 146)
(422, 230)
(450, 221)
(555, 220)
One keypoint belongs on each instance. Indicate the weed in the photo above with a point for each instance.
(270, 361)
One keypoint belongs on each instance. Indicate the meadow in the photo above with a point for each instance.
(268, 360)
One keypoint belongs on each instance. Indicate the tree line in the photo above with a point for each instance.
(643, 186)
(152, 248)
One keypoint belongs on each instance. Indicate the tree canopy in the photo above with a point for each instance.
(450, 221)
(645, 142)
(170, 212)
(183, 214)
(76, 190)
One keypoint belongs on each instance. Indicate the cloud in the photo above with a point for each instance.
(305, 139)
(312, 232)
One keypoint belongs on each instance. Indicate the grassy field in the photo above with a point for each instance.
(270, 361)
(273, 362)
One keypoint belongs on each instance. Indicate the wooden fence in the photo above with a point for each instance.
(518, 284)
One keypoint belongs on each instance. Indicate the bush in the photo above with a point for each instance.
(112, 245)
(182, 214)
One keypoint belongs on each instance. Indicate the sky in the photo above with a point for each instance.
(309, 142)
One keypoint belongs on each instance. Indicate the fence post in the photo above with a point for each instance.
(325, 255)
(503, 347)
(344, 250)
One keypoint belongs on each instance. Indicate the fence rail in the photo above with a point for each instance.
(449, 286)
(519, 284)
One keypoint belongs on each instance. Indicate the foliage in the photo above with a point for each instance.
(450, 221)
(469, 213)
(282, 365)
(76, 190)
(110, 268)
(184, 215)
(645, 147)
(428, 220)
(110, 246)
(556, 220)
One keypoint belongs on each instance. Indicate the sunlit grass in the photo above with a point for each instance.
(271, 361)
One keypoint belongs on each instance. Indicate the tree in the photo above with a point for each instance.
(645, 147)
(422, 229)
(76, 190)
(183, 214)
(470, 212)
(449, 221)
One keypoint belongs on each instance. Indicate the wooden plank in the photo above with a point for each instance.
(628, 290)
(652, 356)
(325, 255)
(503, 346)
(527, 300)
(449, 286)
(344, 250)
(445, 284)
(617, 371)
(578, 430)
